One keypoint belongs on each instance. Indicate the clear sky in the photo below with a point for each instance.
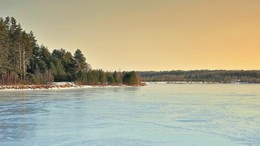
(147, 34)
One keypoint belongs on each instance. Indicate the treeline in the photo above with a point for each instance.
(23, 61)
(99, 77)
(215, 76)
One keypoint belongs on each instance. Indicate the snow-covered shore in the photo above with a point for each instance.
(52, 86)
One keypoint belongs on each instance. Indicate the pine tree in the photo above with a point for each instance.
(102, 77)
(80, 61)
(27, 43)
(4, 43)
(117, 78)
(131, 78)
(110, 78)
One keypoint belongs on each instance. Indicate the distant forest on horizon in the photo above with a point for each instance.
(210, 76)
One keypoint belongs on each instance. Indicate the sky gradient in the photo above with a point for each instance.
(147, 34)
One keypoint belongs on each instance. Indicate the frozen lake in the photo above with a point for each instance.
(157, 114)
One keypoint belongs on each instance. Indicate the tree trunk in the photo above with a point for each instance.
(24, 67)
(20, 61)
(8, 77)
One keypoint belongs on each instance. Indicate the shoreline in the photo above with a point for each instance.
(196, 82)
(57, 85)
(72, 85)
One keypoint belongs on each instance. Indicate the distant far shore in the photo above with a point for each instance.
(58, 85)
(194, 82)
(203, 76)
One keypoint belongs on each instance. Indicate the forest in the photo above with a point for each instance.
(209, 76)
(23, 61)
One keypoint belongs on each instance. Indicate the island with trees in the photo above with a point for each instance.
(23, 62)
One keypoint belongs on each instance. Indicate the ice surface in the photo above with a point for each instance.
(157, 114)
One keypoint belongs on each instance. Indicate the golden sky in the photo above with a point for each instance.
(147, 34)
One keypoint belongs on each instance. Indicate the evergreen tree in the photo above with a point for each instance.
(14, 53)
(69, 66)
(27, 43)
(80, 61)
(110, 78)
(83, 78)
(58, 57)
(61, 74)
(4, 43)
(117, 77)
(131, 78)
(102, 77)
